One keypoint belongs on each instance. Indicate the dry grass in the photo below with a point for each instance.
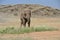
(53, 22)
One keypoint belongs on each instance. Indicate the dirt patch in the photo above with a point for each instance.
(48, 35)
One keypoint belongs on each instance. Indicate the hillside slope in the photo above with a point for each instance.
(36, 9)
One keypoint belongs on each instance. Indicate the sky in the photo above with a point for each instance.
(51, 3)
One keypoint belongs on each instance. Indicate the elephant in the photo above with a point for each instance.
(25, 18)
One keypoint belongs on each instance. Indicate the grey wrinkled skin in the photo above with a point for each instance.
(25, 18)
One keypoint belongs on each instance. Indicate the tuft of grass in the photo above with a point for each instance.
(12, 30)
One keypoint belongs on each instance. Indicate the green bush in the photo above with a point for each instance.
(12, 30)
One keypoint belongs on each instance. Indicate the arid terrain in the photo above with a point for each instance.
(52, 35)
(41, 16)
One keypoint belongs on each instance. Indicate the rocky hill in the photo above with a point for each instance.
(37, 10)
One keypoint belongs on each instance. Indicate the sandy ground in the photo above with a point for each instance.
(52, 35)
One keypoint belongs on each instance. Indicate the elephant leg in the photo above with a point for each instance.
(29, 23)
(21, 23)
(24, 23)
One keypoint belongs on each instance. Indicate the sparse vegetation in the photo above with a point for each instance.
(12, 30)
